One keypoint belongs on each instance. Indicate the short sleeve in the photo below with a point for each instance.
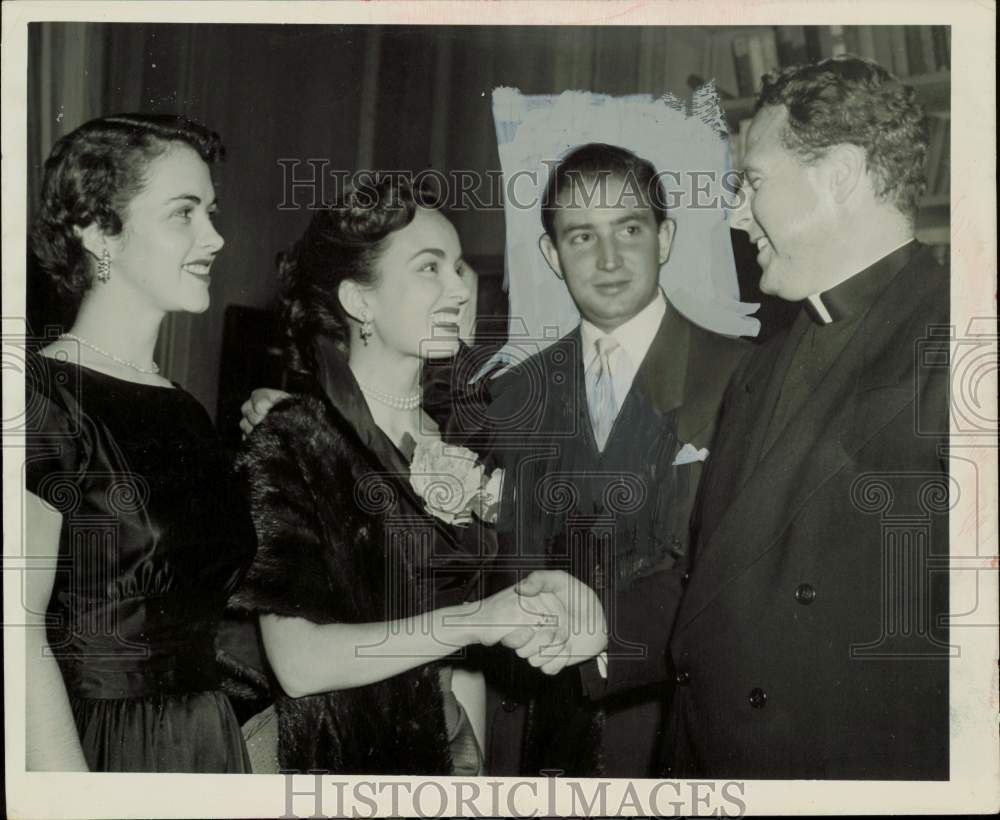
(57, 439)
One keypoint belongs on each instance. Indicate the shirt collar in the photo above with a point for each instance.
(853, 294)
(635, 336)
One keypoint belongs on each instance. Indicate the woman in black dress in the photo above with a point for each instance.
(368, 578)
(129, 492)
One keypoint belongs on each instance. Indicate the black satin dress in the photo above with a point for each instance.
(155, 537)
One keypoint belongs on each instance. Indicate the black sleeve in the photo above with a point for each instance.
(58, 437)
(640, 620)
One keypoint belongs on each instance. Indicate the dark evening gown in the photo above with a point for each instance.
(155, 537)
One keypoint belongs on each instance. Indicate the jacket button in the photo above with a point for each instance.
(758, 698)
(683, 678)
(509, 705)
(685, 579)
(805, 594)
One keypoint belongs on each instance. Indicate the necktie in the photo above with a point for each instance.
(601, 390)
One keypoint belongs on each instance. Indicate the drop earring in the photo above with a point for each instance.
(104, 267)
(367, 328)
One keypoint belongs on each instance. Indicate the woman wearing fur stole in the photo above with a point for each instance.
(374, 536)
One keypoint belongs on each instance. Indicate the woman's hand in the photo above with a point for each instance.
(258, 406)
(491, 619)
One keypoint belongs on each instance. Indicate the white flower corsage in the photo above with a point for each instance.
(453, 484)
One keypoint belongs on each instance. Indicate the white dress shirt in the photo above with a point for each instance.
(634, 338)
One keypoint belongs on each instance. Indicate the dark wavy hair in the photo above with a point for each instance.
(596, 160)
(344, 241)
(91, 176)
(847, 99)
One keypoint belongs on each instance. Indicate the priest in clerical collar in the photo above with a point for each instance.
(811, 639)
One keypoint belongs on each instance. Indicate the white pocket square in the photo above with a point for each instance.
(689, 454)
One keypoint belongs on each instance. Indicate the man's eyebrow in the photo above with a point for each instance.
(578, 226)
(193, 199)
(435, 251)
(632, 213)
(628, 216)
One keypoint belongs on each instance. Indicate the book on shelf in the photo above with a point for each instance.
(720, 62)
(927, 48)
(944, 183)
(866, 42)
(769, 46)
(755, 48)
(941, 37)
(755, 53)
(900, 58)
(819, 43)
(838, 41)
(791, 44)
(883, 45)
(942, 187)
(915, 57)
(938, 158)
(741, 64)
(934, 149)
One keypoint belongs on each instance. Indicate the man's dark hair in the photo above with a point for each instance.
(850, 100)
(593, 162)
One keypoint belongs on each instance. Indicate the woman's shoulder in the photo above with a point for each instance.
(52, 395)
(300, 427)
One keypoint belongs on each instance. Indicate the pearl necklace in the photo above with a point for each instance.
(149, 371)
(410, 402)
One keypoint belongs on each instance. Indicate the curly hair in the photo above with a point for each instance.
(91, 176)
(847, 99)
(344, 241)
(594, 160)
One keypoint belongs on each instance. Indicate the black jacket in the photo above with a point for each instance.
(810, 641)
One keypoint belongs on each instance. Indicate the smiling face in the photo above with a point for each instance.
(609, 251)
(420, 293)
(787, 211)
(168, 242)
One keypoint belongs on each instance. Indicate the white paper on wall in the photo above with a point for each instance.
(687, 144)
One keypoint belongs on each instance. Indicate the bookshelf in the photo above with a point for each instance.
(920, 56)
(933, 91)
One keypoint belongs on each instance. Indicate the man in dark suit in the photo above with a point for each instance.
(602, 436)
(811, 638)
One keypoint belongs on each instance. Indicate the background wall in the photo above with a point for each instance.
(360, 97)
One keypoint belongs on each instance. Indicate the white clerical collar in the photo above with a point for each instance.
(635, 336)
(819, 309)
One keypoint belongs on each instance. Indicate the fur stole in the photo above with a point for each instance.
(323, 556)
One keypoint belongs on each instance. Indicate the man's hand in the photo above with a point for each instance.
(257, 406)
(582, 636)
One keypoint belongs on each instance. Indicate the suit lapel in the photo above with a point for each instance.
(676, 378)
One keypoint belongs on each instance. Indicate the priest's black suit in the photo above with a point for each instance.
(606, 516)
(811, 641)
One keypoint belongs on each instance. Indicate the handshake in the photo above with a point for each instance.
(550, 618)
